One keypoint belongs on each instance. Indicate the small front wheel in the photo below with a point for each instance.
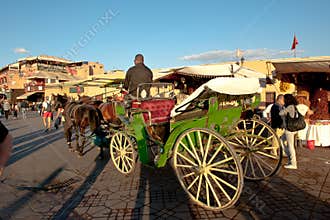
(122, 152)
(208, 168)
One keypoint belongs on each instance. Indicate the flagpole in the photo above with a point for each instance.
(294, 53)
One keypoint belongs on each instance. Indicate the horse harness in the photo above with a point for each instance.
(72, 110)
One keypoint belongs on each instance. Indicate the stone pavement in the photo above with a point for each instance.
(44, 180)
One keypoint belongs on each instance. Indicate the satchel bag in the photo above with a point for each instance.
(49, 107)
(296, 123)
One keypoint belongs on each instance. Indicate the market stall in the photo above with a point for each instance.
(312, 80)
(187, 79)
(319, 131)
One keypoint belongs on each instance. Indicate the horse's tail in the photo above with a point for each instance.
(99, 113)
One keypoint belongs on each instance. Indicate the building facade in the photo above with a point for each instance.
(28, 77)
(11, 82)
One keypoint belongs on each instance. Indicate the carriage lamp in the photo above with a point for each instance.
(183, 80)
(143, 94)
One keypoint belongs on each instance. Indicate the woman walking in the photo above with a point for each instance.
(291, 111)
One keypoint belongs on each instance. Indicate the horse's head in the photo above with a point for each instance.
(60, 100)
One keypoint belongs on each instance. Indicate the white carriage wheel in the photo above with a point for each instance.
(259, 148)
(122, 152)
(208, 168)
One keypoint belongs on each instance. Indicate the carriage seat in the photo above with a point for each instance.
(160, 110)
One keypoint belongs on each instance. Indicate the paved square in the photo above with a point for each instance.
(44, 180)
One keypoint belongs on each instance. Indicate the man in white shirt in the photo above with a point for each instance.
(6, 108)
(47, 113)
(266, 112)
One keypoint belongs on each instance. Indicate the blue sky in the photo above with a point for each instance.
(169, 33)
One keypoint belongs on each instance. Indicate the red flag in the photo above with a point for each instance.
(294, 43)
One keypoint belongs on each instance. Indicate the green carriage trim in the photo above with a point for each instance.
(217, 119)
(141, 137)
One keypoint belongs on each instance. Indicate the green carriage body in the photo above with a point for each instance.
(218, 117)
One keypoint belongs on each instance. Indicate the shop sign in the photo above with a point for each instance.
(77, 89)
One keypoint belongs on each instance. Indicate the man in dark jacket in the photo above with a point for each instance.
(276, 119)
(5, 146)
(136, 75)
(277, 122)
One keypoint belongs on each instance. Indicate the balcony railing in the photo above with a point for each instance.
(34, 84)
(34, 88)
(51, 68)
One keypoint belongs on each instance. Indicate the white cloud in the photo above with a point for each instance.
(226, 55)
(21, 50)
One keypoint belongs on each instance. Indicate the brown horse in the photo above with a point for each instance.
(79, 117)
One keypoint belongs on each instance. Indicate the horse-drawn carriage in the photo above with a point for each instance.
(211, 147)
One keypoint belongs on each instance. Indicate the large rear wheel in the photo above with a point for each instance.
(122, 152)
(259, 148)
(208, 168)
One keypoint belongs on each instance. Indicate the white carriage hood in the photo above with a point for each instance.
(230, 86)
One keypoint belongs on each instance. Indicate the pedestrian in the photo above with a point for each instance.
(267, 112)
(19, 106)
(24, 108)
(40, 108)
(58, 117)
(276, 120)
(303, 107)
(6, 108)
(15, 111)
(5, 147)
(290, 111)
(46, 114)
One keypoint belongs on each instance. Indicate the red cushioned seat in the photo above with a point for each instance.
(160, 110)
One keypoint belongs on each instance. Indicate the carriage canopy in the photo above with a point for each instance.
(227, 86)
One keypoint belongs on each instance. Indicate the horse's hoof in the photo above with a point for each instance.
(71, 149)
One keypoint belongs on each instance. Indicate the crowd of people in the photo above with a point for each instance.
(45, 109)
(279, 113)
(17, 109)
